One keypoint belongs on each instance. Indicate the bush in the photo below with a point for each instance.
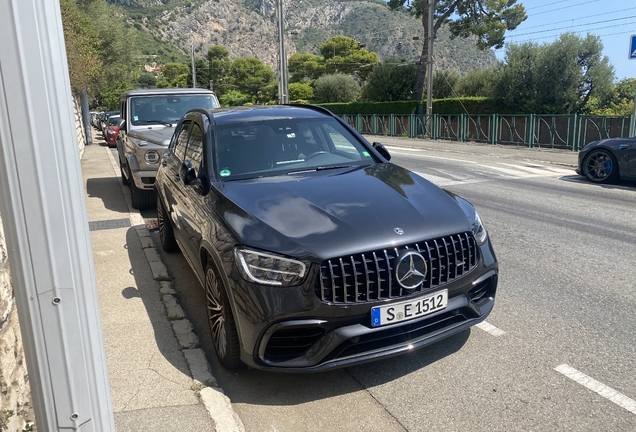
(337, 88)
(470, 105)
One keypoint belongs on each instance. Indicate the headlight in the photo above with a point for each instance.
(478, 230)
(151, 157)
(269, 269)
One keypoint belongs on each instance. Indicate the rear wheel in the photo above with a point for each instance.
(600, 167)
(221, 320)
(166, 231)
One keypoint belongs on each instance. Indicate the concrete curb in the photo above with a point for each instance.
(218, 405)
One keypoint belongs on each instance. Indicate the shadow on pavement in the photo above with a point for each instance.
(148, 291)
(107, 189)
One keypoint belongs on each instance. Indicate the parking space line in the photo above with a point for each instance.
(598, 387)
(489, 328)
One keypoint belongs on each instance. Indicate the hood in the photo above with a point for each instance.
(159, 135)
(327, 214)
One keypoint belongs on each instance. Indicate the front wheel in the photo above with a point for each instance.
(221, 320)
(600, 167)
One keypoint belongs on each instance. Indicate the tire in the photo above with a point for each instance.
(166, 230)
(141, 199)
(221, 320)
(600, 166)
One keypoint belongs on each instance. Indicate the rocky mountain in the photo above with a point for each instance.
(249, 28)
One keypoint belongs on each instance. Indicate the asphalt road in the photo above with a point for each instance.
(559, 353)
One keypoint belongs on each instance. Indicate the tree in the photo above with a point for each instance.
(305, 67)
(556, 78)
(171, 71)
(345, 55)
(219, 66)
(337, 88)
(250, 76)
(300, 91)
(203, 73)
(147, 80)
(444, 84)
(234, 98)
(390, 81)
(487, 20)
(83, 47)
(478, 83)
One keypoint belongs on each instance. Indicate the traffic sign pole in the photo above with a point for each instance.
(46, 225)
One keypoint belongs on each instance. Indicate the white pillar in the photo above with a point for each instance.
(46, 226)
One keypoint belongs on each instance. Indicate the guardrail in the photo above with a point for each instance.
(552, 131)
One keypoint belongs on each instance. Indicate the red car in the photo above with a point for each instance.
(112, 131)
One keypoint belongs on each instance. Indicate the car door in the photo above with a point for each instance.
(192, 214)
(171, 167)
(632, 159)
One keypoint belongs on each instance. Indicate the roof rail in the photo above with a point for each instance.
(312, 107)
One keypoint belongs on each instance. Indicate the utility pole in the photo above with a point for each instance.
(194, 69)
(46, 225)
(429, 72)
(283, 85)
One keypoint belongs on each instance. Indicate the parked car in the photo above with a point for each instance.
(112, 130)
(148, 121)
(608, 160)
(314, 251)
(104, 121)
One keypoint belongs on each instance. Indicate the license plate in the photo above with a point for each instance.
(408, 310)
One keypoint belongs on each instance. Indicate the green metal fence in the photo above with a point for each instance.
(550, 131)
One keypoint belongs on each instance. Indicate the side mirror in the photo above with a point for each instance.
(189, 178)
(382, 150)
(122, 125)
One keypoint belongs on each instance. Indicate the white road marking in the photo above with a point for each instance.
(544, 170)
(399, 151)
(598, 387)
(489, 328)
(443, 181)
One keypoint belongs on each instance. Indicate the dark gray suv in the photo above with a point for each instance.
(313, 249)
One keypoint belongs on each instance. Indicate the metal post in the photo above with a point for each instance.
(283, 94)
(46, 225)
(429, 89)
(86, 117)
(632, 125)
(194, 69)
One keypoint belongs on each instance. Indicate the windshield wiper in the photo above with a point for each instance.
(320, 168)
(165, 123)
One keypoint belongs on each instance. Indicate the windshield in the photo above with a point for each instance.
(286, 147)
(145, 110)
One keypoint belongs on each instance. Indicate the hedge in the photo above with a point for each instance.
(470, 105)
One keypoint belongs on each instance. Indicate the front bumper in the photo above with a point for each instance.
(291, 330)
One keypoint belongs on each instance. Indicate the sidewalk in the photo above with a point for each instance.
(159, 377)
(540, 155)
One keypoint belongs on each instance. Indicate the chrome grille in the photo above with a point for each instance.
(369, 276)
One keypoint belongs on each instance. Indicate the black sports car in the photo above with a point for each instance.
(313, 249)
(608, 160)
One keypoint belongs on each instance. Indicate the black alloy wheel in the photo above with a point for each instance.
(221, 320)
(166, 231)
(600, 166)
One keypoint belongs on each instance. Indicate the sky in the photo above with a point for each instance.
(614, 21)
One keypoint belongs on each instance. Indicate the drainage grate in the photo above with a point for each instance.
(109, 224)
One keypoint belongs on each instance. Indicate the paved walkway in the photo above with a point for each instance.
(159, 377)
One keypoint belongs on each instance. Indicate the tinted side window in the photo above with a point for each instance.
(195, 147)
(182, 141)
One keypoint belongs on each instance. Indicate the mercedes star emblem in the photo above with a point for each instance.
(410, 270)
(398, 231)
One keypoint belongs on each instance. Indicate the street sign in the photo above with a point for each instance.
(632, 48)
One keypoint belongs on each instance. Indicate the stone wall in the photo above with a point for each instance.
(16, 410)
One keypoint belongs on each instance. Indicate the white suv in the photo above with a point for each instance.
(148, 118)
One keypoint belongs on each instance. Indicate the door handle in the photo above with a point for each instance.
(164, 162)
